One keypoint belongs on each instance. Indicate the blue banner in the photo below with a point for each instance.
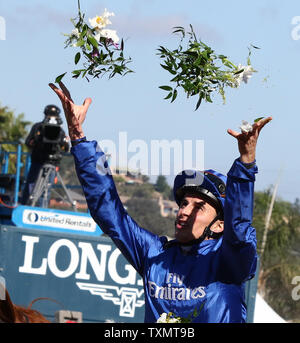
(74, 272)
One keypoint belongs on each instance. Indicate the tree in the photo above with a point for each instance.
(163, 187)
(12, 129)
(135, 189)
(146, 213)
(280, 260)
(161, 184)
(67, 170)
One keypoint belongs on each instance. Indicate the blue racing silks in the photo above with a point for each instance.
(209, 277)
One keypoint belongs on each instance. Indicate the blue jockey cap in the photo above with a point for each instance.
(209, 185)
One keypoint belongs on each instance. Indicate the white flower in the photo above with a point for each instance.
(246, 127)
(75, 33)
(99, 22)
(162, 318)
(168, 318)
(244, 75)
(109, 34)
(174, 320)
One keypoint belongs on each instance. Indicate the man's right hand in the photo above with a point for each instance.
(75, 114)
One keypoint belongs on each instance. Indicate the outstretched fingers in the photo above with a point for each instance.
(233, 133)
(261, 123)
(63, 93)
(65, 101)
(255, 127)
(65, 90)
(86, 104)
(58, 91)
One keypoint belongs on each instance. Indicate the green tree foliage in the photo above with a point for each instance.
(163, 187)
(13, 128)
(145, 190)
(68, 173)
(67, 170)
(146, 213)
(280, 261)
(161, 184)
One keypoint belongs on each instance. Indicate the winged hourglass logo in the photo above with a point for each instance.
(127, 298)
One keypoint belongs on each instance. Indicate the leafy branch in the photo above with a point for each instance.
(98, 46)
(198, 70)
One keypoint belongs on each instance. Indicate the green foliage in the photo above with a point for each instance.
(280, 260)
(161, 184)
(146, 213)
(282, 230)
(173, 318)
(136, 190)
(13, 128)
(67, 170)
(118, 179)
(258, 119)
(163, 187)
(197, 69)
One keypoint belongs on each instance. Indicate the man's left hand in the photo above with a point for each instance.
(247, 140)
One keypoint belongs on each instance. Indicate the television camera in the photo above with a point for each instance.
(47, 141)
(51, 136)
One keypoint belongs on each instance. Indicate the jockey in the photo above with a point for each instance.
(203, 270)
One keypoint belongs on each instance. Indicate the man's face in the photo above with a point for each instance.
(193, 216)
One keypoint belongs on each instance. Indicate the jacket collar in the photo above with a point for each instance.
(196, 248)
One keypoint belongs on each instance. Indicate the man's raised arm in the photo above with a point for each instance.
(239, 256)
(100, 191)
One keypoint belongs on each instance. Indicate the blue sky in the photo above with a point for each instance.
(33, 54)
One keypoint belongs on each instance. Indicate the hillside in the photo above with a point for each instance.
(136, 193)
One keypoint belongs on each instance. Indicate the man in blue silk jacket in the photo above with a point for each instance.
(203, 270)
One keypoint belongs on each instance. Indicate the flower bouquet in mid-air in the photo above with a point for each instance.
(101, 48)
(199, 71)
